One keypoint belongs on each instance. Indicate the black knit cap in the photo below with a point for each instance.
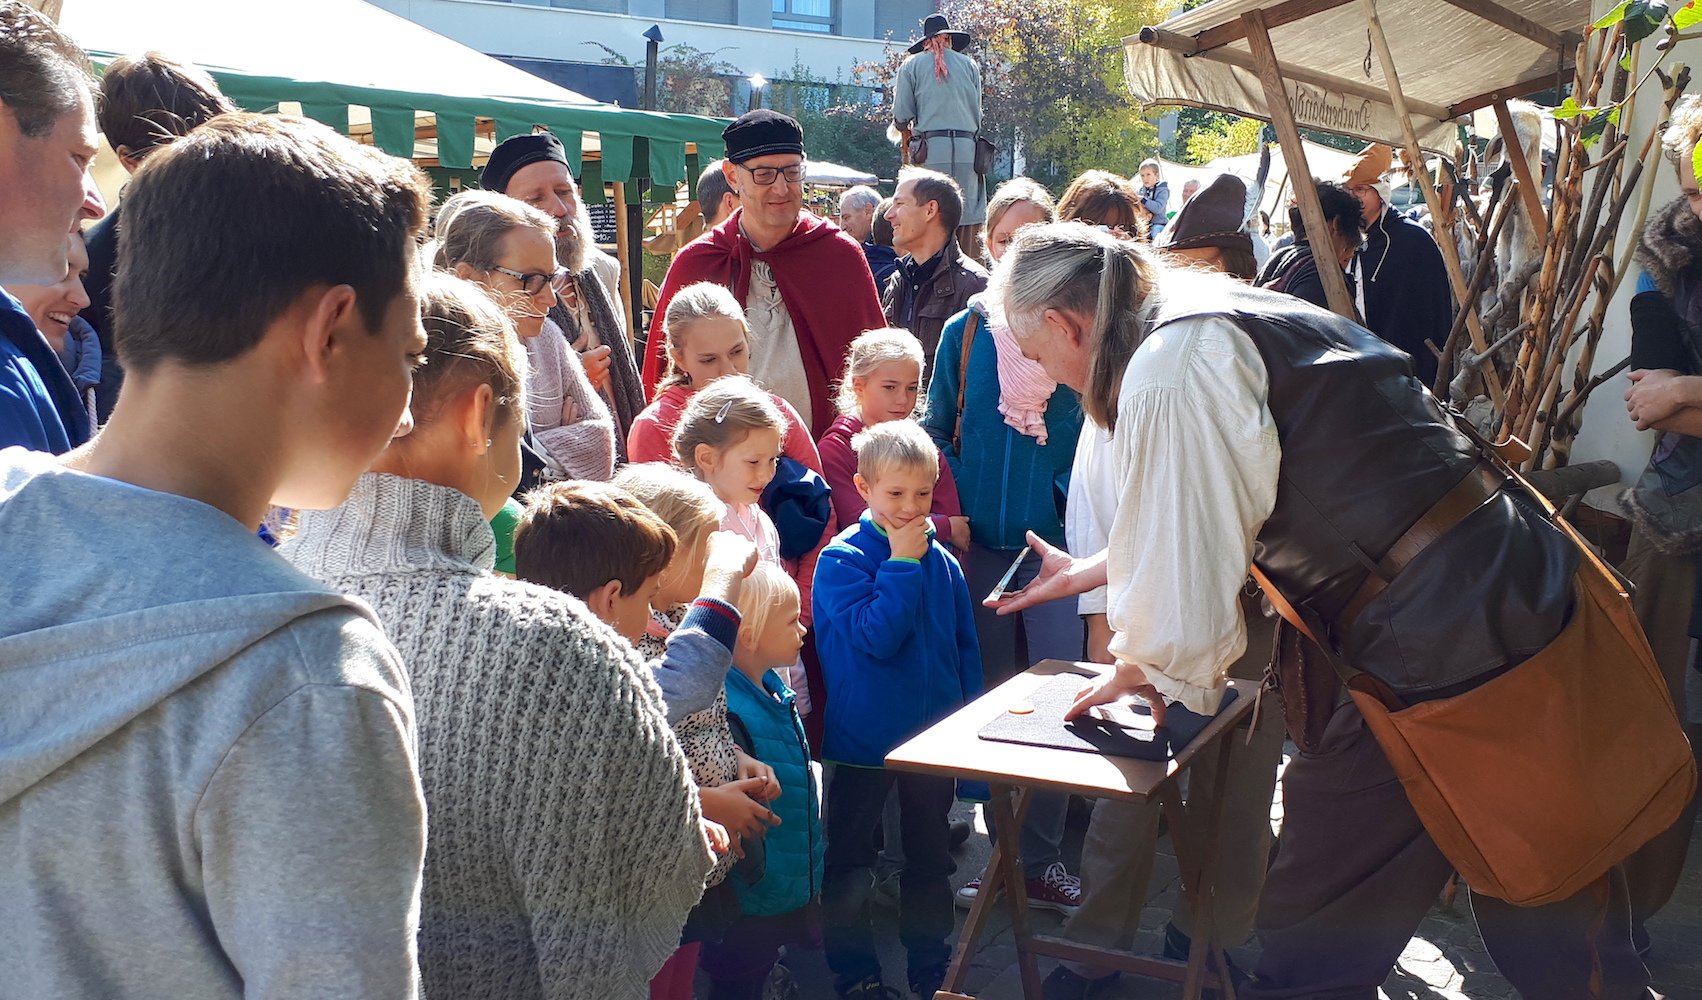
(762, 133)
(1215, 217)
(512, 154)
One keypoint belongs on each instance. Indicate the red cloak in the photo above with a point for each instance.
(823, 279)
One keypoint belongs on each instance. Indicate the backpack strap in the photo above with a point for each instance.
(969, 329)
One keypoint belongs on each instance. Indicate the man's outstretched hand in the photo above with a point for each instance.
(1061, 575)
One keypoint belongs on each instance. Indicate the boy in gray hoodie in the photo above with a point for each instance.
(207, 780)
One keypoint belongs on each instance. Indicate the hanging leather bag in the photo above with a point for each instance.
(1538, 781)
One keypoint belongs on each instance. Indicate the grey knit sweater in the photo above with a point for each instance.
(563, 846)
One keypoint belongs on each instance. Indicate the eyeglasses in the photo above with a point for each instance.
(533, 282)
(764, 176)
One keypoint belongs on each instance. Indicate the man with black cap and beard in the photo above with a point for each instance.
(534, 169)
(803, 283)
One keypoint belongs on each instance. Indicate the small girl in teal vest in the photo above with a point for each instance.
(780, 908)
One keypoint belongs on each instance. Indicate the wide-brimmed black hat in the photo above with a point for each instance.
(937, 24)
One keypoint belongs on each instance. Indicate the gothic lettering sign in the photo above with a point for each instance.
(1332, 111)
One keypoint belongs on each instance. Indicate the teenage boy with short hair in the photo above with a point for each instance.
(896, 632)
(208, 786)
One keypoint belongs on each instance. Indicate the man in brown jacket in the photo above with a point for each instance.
(934, 280)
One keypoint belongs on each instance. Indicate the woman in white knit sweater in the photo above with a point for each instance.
(508, 248)
(565, 846)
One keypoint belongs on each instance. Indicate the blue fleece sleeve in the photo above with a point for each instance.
(88, 354)
(1646, 283)
(968, 643)
(875, 608)
(940, 420)
(693, 666)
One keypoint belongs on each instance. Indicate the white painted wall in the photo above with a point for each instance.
(1606, 432)
(528, 31)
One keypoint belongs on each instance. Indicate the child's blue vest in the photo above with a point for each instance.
(793, 850)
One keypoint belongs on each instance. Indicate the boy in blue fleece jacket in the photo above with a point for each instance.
(896, 634)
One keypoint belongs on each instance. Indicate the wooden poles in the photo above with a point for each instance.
(1294, 153)
(1421, 174)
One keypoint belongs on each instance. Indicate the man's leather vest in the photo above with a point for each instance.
(1366, 451)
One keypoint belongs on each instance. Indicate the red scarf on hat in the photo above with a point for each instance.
(937, 45)
(823, 279)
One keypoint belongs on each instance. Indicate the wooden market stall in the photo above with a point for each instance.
(1415, 74)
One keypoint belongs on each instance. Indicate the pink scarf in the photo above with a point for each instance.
(1024, 387)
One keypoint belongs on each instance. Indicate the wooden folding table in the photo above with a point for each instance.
(953, 747)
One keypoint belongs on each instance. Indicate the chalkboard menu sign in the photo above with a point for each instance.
(603, 222)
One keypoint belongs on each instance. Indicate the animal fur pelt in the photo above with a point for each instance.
(1669, 244)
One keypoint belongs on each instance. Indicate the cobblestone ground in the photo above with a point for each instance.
(1444, 961)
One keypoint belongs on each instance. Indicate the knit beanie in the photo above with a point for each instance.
(1215, 217)
(762, 133)
(519, 151)
(1374, 161)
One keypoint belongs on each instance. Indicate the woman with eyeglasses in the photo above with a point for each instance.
(508, 248)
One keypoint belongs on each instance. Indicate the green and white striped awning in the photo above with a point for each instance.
(408, 90)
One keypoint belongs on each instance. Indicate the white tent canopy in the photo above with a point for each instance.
(368, 72)
(1326, 164)
(1455, 57)
(821, 173)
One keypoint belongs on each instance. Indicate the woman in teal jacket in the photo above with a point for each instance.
(1012, 466)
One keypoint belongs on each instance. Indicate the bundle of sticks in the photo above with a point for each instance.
(1533, 369)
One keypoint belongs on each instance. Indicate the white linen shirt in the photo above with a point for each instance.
(1196, 459)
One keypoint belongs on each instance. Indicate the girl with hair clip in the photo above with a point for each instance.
(499, 903)
(882, 381)
(729, 436)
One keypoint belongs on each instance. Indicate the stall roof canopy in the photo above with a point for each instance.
(347, 62)
(1453, 57)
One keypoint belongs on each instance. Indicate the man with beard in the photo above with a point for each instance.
(534, 169)
(804, 285)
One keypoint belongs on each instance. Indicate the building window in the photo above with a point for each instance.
(804, 15)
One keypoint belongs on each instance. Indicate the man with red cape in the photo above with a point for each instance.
(804, 284)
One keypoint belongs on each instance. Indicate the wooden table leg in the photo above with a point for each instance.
(1016, 896)
(991, 881)
(1196, 856)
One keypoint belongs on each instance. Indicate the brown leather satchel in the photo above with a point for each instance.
(1538, 781)
(918, 149)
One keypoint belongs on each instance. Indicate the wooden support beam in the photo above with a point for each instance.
(623, 246)
(1529, 85)
(1518, 24)
(1421, 174)
(1294, 154)
(1530, 190)
(1274, 17)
